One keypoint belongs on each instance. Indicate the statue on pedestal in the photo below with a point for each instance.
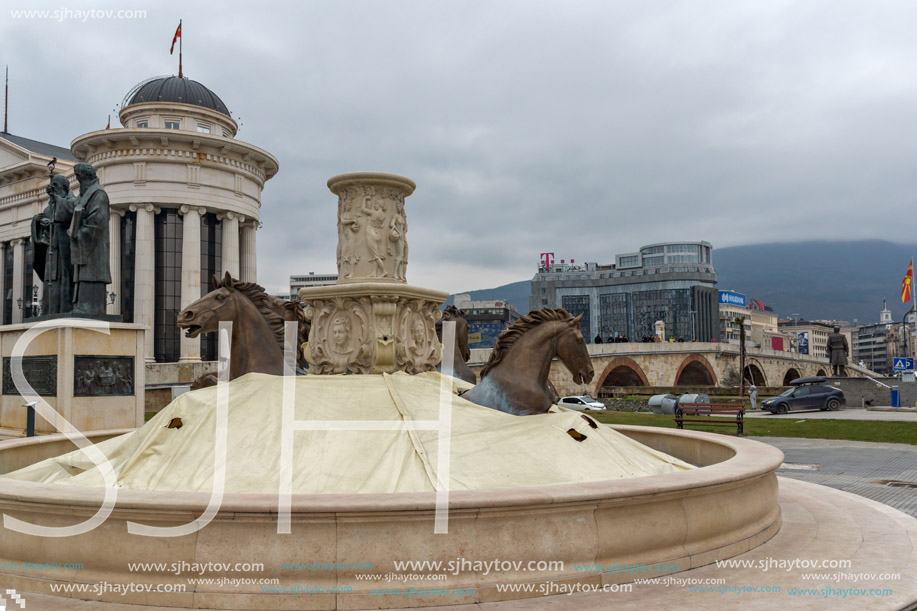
(89, 244)
(837, 352)
(51, 255)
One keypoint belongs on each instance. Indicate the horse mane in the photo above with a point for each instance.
(511, 334)
(271, 309)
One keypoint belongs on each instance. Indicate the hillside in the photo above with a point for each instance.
(843, 280)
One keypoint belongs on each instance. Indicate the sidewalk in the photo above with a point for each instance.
(852, 413)
(860, 467)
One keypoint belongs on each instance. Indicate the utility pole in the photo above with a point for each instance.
(740, 320)
(6, 99)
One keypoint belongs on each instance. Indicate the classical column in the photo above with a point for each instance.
(190, 275)
(3, 287)
(145, 275)
(230, 251)
(249, 267)
(18, 269)
(114, 230)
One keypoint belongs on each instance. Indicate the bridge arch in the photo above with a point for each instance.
(695, 371)
(622, 371)
(754, 373)
(791, 374)
(821, 372)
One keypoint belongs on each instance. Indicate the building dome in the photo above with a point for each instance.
(174, 89)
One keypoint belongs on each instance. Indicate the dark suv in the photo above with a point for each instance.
(809, 393)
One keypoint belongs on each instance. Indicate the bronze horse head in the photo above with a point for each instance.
(258, 325)
(515, 378)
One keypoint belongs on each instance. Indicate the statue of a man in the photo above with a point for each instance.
(51, 254)
(89, 244)
(838, 351)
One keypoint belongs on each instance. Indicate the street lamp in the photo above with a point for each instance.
(111, 298)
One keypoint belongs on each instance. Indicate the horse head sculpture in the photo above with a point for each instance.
(515, 378)
(461, 353)
(258, 325)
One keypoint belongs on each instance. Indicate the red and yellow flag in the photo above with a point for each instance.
(907, 282)
(175, 38)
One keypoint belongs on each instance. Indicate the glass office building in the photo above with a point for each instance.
(672, 282)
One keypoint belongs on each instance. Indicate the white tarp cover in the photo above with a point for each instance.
(489, 449)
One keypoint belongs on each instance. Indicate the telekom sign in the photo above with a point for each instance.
(548, 259)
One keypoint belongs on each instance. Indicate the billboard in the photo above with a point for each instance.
(730, 298)
(802, 342)
(777, 343)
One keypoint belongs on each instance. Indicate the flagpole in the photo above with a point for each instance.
(180, 37)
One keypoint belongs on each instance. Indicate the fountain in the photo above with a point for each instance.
(370, 431)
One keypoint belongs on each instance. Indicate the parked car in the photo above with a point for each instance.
(583, 402)
(809, 393)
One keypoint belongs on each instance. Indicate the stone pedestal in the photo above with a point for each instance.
(93, 380)
(372, 321)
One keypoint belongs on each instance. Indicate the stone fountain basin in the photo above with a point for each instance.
(688, 519)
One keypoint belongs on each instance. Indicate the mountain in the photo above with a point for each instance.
(833, 280)
(516, 293)
(819, 280)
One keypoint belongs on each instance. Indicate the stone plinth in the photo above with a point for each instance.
(92, 379)
(372, 321)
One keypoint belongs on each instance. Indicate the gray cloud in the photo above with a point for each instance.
(586, 128)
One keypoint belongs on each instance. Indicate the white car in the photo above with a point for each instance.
(584, 403)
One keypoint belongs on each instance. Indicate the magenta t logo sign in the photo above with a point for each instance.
(548, 259)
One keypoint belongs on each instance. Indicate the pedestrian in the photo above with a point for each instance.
(753, 396)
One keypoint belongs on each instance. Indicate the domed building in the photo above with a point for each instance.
(185, 200)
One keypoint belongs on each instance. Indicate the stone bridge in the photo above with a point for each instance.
(682, 364)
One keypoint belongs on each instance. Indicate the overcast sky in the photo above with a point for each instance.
(580, 128)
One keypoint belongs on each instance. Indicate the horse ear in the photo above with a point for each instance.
(214, 283)
(577, 319)
(227, 279)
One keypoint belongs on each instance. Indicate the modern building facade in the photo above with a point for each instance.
(310, 279)
(760, 322)
(486, 319)
(185, 205)
(672, 282)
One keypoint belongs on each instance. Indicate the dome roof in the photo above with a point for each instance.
(174, 89)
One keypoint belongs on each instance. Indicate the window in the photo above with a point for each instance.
(226, 134)
(143, 124)
(172, 124)
(168, 241)
(211, 265)
(628, 261)
(203, 128)
(576, 305)
(128, 256)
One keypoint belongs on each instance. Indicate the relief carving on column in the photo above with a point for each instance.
(417, 348)
(372, 228)
(340, 338)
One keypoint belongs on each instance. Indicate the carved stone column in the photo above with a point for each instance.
(230, 251)
(190, 275)
(18, 269)
(372, 321)
(249, 267)
(145, 275)
(114, 230)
